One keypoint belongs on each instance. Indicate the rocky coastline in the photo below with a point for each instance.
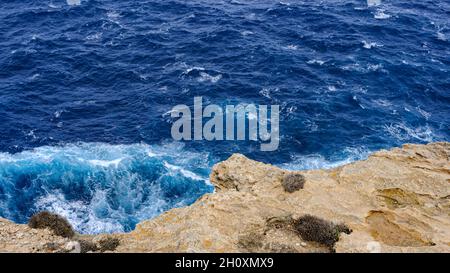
(397, 200)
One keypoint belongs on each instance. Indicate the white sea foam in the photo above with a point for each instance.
(73, 2)
(250, 16)
(369, 45)
(113, 17)
(291, 109)
(368, 68)
(184, 172)
(98, 187)
(311, 125)
(317, 161)
(32, 134)
(382, 102)
(380, 15)
(265, 92)
(205, 77)
(94, 36)
(375, 67)
(152, 154)
(193, 68)
(53, 6)
(424, 113)
(291, 47)
(82, 216)
(314, 61)
(331, 88)
(35, 76)
(58, 113)
(106, 163)
(89, 217)
(373, 3)
(403, 132)
(113, 14)
(441, 36)
(246, 33)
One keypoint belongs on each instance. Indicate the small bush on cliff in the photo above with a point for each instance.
(57, 224)
(108, 244)
(312, 228)
(293, 182)
(87, 246)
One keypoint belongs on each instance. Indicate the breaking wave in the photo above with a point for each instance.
(100, 187)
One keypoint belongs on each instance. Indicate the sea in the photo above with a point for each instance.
(87, 88)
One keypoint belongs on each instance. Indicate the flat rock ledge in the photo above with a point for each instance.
(395, 201)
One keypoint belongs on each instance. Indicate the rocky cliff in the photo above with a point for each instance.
(395, 201)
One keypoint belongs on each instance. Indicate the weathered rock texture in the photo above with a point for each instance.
(395, 201)
(21, 238)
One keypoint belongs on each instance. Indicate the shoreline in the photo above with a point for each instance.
(387, 201)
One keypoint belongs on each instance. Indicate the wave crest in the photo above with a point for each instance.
(100, 187)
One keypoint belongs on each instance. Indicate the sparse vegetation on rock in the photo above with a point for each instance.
(312, 228)
(56, 223)
(87, 246)
(108, 243)
(293, 182)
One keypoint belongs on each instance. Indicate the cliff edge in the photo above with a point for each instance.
(395, 201)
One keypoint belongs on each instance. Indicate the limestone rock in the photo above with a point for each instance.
(21, 238)
(73, 247)
(395, 201)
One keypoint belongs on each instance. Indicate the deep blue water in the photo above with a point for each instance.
(86, 90)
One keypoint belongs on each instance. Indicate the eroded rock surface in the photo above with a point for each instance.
(395, 201)
(21, 238)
